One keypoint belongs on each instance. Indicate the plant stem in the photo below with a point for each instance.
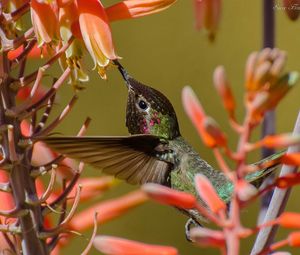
(268, 125)
(277, 204)
(268, 42)
(22, 184)
(269, 24)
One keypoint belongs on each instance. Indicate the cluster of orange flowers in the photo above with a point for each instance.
(266, 84)
(84, 25)
(64, 30)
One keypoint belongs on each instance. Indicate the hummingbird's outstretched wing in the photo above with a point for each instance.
(136, 159)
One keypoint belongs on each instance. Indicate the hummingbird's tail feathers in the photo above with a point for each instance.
(267, 165)
(131, 158)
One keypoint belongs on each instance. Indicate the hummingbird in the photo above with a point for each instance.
(154, 152)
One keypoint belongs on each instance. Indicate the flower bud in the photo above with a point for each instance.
(294, 239)
(110, 245)
(208, 14)
(289, 220)
(207, 237)
(288, 180)
(169, 196)
(223, 88)
(208, 194)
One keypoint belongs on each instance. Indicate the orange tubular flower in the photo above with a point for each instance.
(94, 187)
(118, 246)
(278, 141)
(136, 8)
(207, 192)
(288, 180)
(294, 239)
(68, 15)
(94, 28)
(96, 33)
(245, 190)
(34, 53)
(169, 196)
(208, 130)
(207, 237)
(45, 22)
(212, 128)
(291, 159)
(267, 100)
(223, 88)
(63, 3)
(108, 210)
(208, 14)
(289, 220)
(7, 203)
(7, 200)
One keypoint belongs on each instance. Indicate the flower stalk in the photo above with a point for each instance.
(62, 31)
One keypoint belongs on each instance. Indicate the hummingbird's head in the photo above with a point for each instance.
(148, 110)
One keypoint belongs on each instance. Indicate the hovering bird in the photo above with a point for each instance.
(154, 152)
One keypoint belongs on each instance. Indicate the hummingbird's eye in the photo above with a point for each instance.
(143, 105)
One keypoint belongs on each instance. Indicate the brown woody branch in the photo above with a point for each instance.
(15, 15)
(24, 81)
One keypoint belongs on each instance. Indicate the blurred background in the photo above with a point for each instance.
(166, 52)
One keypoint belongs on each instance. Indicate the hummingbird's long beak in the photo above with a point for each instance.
(124, 73)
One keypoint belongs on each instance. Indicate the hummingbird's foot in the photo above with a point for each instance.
(188, 226)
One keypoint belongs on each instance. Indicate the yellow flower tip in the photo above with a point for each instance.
(102, 69)
(102, 72)
(96, 34)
